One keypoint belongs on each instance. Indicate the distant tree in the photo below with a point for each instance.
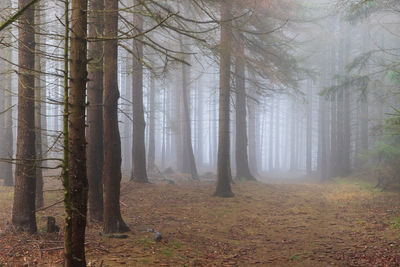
(242, 160)
(188, 159)
(6, 149)
(224, 175)
(139, 172)
(23, 214)
(94, 132)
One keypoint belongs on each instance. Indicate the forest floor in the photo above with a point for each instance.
(340, 223)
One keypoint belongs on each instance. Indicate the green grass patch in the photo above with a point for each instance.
(169, 252)
(145, 242)
(175, 244)
(395, 223)
(295, 257)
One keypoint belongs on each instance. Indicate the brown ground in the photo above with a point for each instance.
(335, 224)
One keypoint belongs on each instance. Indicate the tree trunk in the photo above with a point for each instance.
(242, 160)
(38, 108)
(224, 175)
(23, 215)
(252, 138)
(277, 134)
(113, 221)
(95, 151)
(152, 121)
(322, 139)
(309, 129)
(6, 102)
(271, 138)
(139, 173)
(78, 184)
(188, 160)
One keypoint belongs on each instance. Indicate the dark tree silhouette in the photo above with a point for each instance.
(23, 215)
(113, 221)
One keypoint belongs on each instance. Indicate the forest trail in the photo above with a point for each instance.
(308, 224)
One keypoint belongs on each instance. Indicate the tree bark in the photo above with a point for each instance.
(224, 175)
(78, 184)
(139, 173)
(242, 159)
(94, 132)
(113, 221)
(38, 108)
(23, 215)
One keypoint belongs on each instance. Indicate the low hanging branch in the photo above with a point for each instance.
(14, 17)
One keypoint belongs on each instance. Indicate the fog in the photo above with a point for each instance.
(104, 99)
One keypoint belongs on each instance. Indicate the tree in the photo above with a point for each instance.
(224, 175)
(152, 120)
(242, 160)
(75, 179)
(188, 160)
(139, 172)
(6, 150)
(23, 214)
(95, 152)
(113, 221)
(38, 109)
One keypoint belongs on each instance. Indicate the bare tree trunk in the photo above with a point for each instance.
(113, 221)
(152, 121)
(242, 160)
(188, 160)
(309, 129)
(271, 137)
(78, 184)
(200, 142)
(23, 215)
(139, 173)
(6, 102)
(224, 175)
(277, 134)
(364, 123)
(252, 138)
(95, 151)
(38, 116)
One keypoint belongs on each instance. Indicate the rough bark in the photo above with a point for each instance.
(113, 221)
(139, 173)
(23, 215)
(242, 159)
(94, 132)
(38, 108)
(224, 175)
(77, 179)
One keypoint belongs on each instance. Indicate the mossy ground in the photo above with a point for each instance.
(342, 223)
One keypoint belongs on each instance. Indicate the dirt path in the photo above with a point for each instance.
(335, 224)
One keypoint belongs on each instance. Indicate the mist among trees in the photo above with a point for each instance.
(199, 132)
